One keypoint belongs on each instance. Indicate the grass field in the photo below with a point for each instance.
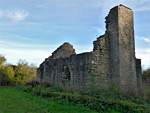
(13, 100)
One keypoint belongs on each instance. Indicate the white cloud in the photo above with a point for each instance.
(15, 15)
(32, 56)
(20, 45)
(32, 53)
(18, 15)
(143, 8)
(147, 39)
(143, 54)
(143, 38)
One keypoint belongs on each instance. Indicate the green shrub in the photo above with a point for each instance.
(37, 90)
(32, 83)
(19, 74)
(28, 89)
(146, 93)
(5, 81)
(55, 88)
(44, 93)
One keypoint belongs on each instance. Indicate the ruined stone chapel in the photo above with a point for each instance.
(113, 56)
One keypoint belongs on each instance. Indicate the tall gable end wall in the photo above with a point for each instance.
(127, 59)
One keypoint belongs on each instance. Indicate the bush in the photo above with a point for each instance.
(6, 75)
(37, 90)
(24, 73)
(20, 74)
(5, 81)
(28, 89)
(32, 83)
(55, 88)
(146, 93)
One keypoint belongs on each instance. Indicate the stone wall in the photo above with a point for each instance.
(138, 74)
(73, 70)
(65, 50)
(101, 57)
(120, 32)
(113, 57)
(127, 50)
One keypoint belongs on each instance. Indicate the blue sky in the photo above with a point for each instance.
(33, 29)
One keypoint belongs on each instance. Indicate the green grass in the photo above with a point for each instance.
(13, 100)
(99, 103)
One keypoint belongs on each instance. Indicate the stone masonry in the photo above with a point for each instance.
(113, 57)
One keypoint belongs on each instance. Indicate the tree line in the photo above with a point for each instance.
(16, 74)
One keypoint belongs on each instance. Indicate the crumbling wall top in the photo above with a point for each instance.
(124, 6)
(65, 50)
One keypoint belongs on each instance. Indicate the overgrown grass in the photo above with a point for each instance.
(146, 93)
(98, 103)
(13, 100)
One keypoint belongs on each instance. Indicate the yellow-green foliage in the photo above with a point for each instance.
(2, 59)
(8, 71)
(24, 73)
(19, 74)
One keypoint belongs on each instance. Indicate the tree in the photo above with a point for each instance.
(24, 72)
(6, 72)
(19, 74)
(2, 59)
